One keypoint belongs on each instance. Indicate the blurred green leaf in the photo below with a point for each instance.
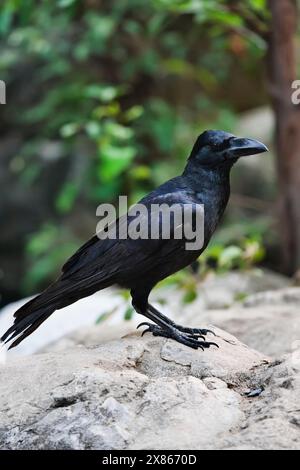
(128, 314)
(141, 172)
(190, 296)
(133, 113)
(41, 240)
(66, 198)
(70, 129)
(114, 160)
(66, 3)
(229, 255)
(93, 129)
(104, 93)
(119, 132)
(104, 316)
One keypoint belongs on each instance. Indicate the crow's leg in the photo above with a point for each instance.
(198, 332)
(140, 304)
(164, 327)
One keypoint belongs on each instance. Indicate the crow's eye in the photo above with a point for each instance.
(227, 141)
(219, 146)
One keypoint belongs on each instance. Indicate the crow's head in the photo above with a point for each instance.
(219, 148)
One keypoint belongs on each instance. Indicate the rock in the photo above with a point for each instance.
(91, 336)
(268, 322)
(284, 296)
(215, 364)
(215, 292)
(223, 290)
(273, 420)
(135, 393)
(94, 392)
(272, 329)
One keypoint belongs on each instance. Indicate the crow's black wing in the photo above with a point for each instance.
(102, 257)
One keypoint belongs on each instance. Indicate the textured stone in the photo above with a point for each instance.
(132, 393)
(89, 392)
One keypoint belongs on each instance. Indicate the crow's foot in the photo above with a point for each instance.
(194, 331)
(198, 332)
(191, 339)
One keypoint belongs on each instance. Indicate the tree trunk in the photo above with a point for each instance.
(282, 73)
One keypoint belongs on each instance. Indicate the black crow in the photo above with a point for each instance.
(139, 264)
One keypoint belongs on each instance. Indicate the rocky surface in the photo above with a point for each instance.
(268, 321)
(132, 393)
(95, 389)
(150, 393)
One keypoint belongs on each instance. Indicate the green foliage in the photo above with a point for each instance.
(66, 198)
(105, 316)
(222, 258)
(123, 87)
(128, 313)
(46, 251)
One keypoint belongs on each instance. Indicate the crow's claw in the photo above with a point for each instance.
(194, 331)
(211, 344)
(205, 332)
(150, 329)
(144, 323)
(171, 332)
(196, 336)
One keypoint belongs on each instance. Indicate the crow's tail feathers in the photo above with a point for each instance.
(31, 315)
(58, 295)
(27, 319)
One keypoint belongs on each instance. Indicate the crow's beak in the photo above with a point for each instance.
(243, 147)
